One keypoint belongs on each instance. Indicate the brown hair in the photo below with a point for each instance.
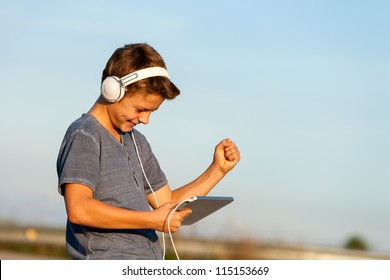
(135, 57)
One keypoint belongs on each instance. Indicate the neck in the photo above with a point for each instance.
(99, 111)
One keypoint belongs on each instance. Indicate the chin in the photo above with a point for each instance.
(127, 128)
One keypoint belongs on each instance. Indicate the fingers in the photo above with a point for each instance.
(226, 155)
(184, 213)
(174, 218)
(231, 151)
(226, 143)
(174, 223)
(232, 154)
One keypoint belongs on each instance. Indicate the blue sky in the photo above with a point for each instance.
(302, 87)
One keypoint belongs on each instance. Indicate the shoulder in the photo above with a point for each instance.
(86, 124)
(85, 127)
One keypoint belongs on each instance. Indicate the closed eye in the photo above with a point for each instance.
(141, 110)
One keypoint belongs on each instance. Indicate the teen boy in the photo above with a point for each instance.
(108, 174)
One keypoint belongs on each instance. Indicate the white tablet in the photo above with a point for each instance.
(202, 206)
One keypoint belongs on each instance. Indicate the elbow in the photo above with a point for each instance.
(76, 216)
(77, 204)
(73, 219)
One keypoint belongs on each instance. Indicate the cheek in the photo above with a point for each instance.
(119, 112)
(116, 114)
(125, 116)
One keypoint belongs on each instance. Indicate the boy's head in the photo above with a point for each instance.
(134, 57)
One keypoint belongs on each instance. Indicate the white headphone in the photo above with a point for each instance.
(113, 88)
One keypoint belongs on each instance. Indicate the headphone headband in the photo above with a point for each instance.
(113, 88)
(143, 74)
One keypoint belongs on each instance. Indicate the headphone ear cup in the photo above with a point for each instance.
(112, 89)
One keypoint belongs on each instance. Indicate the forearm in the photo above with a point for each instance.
(94, 213)
(200, 186)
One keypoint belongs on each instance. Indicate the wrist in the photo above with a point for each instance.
(217, 170)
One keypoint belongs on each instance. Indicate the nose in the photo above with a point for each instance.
(144, 117)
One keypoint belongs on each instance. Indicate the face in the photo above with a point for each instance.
(133, 110)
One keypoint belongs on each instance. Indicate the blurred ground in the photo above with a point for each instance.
(39, 243)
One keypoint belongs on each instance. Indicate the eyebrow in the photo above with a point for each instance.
(140, 108)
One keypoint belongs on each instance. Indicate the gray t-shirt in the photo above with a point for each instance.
(91, 156)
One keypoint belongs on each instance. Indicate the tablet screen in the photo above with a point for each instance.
(202, 206)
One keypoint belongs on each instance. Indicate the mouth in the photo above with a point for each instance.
(127, 126)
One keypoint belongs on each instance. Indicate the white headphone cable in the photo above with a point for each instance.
(157, 204)
(150, 187)
(169, 227)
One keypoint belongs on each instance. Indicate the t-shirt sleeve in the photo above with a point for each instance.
(78, 161)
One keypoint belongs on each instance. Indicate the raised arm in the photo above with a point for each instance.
(226, 156)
